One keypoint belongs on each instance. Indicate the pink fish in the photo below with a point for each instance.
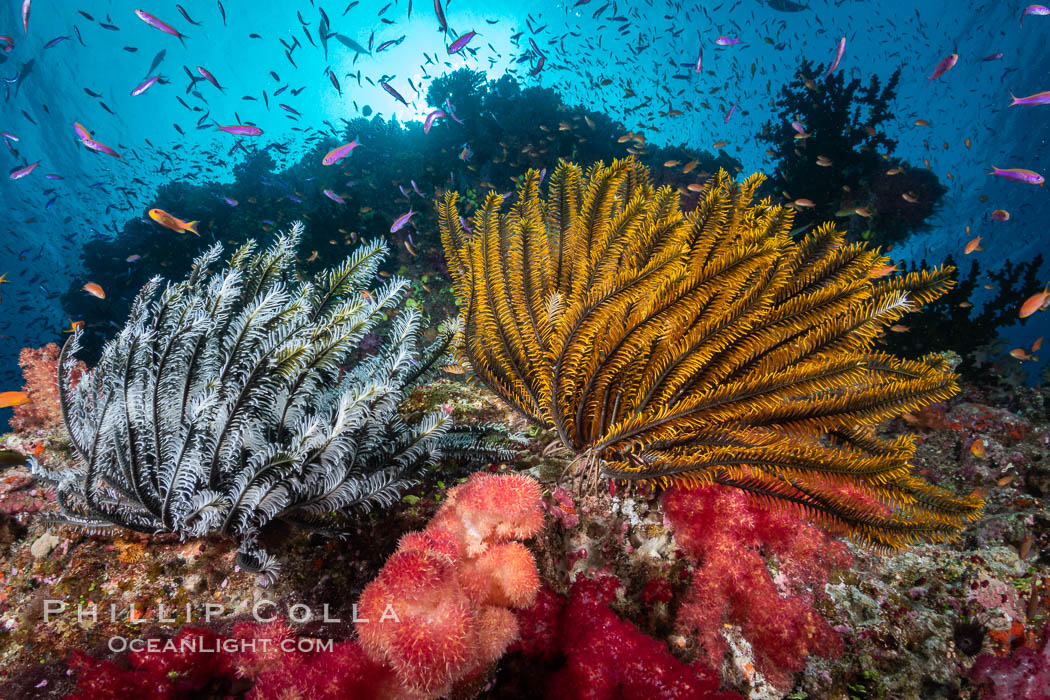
(699, 68)
(100, 147)
(429, 121)
(231, 202)
(944, 66)
(993, 56)
(451, 112)
(241, 130)
(156, 24)
(82, 132)
(337, 154)
(9, 136)
(144, 85)
(1041, 98)
(416, 188)
(460, 43)
(1042, 10)
(841, 49)
(1019, 175)
(400, 222)
(8, 42)
(798, 126)
(726, 41)
(539, 65)
(25, 14)
(334, 197)
(209, 77)
(392, 92)
(22, 172)
(730, 113)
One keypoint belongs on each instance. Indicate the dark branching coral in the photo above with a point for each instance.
(845, 122)
(702, 347)
(232, 400)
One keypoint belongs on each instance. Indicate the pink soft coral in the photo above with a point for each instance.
(40, 370)
(730, 537)
(451, 586)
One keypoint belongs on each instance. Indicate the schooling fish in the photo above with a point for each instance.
(158, 24)
(394, 93)
(94, 290)
(1019, 174)
(726, 41)
(172, 222)
(186, 16)
(241, 130)
(334, 197)
(337, 154)
(400, 222)
(460, 43)
(1036, 302)
(22, 172)
(25, 14)
(944, 66)
(839, 50)
(1030, 10)
(56, 41)
(144, 85)
(429, 121)
(442, 23)
(210, 78)
(1041, 98)
(156, 61)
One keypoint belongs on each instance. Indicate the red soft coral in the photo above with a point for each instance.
(730, 537)
(605, 657)
(40, 370)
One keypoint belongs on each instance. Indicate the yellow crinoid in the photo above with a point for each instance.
(703, 347)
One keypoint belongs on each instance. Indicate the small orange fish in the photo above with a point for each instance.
(1001, 215)
(694, 187)
(898, 328)
(977, 448)
(13, 398)
(720, 144)
(894, 171)
(690, 166)
(1003, 481)
(968, 142)
(863, 211)
(672, 163)
(1037, 344)
(909, 197)
(921, 122)
(823, 161)
(882, 271)
(1020, 354)
(174, 223)
(1036, 302)
(803, 203)
(94, 290)
(973, 245)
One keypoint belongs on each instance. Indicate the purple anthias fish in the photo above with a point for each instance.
(55, 42)
(144, 85)
(429, 121)
(286, 108)
(400, 222)
(209, 77)
(186, 16)
(1040, 98)
(465, 225)
(461, 43)
(726, 41)
(337, 154)
(839, 50)
(158, 24)
(100, 147)
(1039, 10)
(334, 197)
(699, 61)
(416, 188)
(993, 57)
(25, 14)
(1019, 175)
(731, 110)
(944, 66)
(8, 135)
(241, 130)
(22, 172)
(7, 43)
(231, 202)
(393, 93)
(451, 112)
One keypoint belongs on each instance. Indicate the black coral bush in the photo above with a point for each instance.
(702, 347)
(233, 399)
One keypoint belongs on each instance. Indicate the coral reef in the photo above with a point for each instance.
(699, 348)
(232, 401)
(440, 610)
(40, 369)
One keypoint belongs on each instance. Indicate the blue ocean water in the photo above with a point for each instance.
(299, 71)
